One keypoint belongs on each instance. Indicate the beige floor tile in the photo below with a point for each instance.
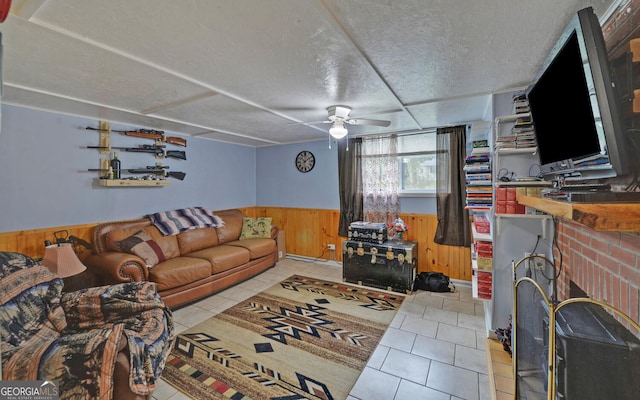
(406, 366)
(459, 382)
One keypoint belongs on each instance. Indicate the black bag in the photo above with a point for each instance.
(433, 282)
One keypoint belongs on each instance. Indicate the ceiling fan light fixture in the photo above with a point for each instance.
(338, 130)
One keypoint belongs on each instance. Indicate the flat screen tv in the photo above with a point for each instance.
(575, 108)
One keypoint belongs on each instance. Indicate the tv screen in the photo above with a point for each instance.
(575, 108)
(561, 108)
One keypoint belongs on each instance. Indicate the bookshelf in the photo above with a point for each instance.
(479, 201)
(515, 228)
(479, 179)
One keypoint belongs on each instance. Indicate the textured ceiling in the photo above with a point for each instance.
(248, 71)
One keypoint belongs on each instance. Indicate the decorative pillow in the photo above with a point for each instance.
(143, 246)
(253, 228)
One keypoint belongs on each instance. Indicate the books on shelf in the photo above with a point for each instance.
(477, 168)
(520, 104)
(522, 136)
(478, 176)
(480, 147)
(480, 143)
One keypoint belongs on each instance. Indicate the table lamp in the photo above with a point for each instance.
(62, 260)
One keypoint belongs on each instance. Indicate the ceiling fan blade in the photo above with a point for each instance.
(340, 112)
(360, 121)
(310, 123)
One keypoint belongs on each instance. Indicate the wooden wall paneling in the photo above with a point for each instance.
(420, 231)
(453, 261)
(31, 242)
(305, 233)
(329, 221)
(308, 232)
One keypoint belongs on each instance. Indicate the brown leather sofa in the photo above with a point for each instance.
(199, 262)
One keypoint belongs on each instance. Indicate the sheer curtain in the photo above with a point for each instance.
(380, 179)
(349, 184)
(453, 219)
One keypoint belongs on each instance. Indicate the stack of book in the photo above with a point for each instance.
(522, 135)
(520, 104)
(478, 176)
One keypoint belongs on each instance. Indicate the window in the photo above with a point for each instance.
(417, 163)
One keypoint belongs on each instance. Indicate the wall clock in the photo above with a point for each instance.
(305, 161)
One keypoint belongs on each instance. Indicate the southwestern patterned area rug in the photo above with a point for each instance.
(303, 338)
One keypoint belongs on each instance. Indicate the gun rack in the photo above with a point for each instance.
(105, 137)
(105, 141)
(104, 164)
(131, 182)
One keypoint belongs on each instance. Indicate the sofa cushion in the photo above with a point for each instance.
(232, 225)
(256, 228)
(168, 244)
(257, 247)
(179, 271)
(197, 239)
(223, 257)
(143, 246)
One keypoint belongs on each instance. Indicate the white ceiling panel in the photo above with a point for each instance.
(227, 115)
(462, 110)
(79, 70)
(46, 102)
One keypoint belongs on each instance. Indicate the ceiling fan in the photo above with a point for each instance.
(339, 115)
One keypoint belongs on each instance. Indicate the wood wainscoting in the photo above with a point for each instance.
(308, 231)
(31, 241)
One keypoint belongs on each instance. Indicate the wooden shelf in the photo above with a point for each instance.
(524, 183)
(131, 182)
(509, 151)
(511, 117)
(620, 217)
(480, 236)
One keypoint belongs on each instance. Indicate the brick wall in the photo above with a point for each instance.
(622, 25)
(606, 265)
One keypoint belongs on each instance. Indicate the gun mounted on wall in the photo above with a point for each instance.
(158, 136)
(159, 170)
(159, 151)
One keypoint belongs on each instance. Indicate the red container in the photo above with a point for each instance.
(482, 224)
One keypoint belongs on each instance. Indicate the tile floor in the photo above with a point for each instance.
(434, 348)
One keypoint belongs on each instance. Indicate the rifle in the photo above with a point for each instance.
(158, 150)
(148, 134)
(150, 169)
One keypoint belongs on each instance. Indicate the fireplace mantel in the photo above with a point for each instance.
(620, 217)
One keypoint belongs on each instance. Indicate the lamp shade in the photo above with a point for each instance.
(338, 130)
(62, 260)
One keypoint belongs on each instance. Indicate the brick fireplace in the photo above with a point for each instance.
(605, 265)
